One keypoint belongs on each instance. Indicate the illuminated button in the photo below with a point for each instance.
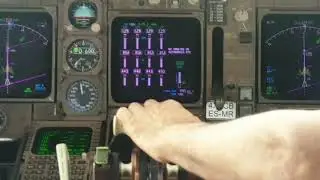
(175, 4)
(84, 156)
(246, 94)
(193, 2)
(41, 166)
(154, 2)
(39, 171)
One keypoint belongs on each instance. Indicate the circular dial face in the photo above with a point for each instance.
(82, 14)
(289, 57)
(82, 96)
(3, 120)
(83, 55)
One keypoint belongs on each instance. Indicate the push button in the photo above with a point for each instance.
(245, 37)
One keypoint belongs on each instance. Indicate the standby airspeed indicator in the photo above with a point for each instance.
(82, 96)
(83, 55)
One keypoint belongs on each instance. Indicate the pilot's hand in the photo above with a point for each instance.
(144, 123)
(275, 145)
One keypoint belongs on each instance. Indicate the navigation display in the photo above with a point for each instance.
(157, 58)
(25, 54)
(290, 53)
(78, 140)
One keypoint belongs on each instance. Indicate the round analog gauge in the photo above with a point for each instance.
(82, 96)
(3, 120)
(83, 55)
(82, 14)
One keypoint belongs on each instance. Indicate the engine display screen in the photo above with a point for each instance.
(25, 54)
(290, 53)
(78, 140)
(157, 58)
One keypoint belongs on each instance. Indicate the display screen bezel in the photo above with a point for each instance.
(261, 13)
(52, 12)
(113, 15)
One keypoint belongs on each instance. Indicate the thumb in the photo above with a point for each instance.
(120, 120)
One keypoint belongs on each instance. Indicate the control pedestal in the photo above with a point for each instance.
(46, 168)
(138, 165)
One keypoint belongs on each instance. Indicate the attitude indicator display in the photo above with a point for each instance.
(83, 55)
(25, 55)
(82, 14)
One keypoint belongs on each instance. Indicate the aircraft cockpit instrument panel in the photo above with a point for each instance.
(66, 66)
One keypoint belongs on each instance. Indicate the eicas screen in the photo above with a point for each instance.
(158, 58)
(78, 140)
(290, 49)
(25, 54)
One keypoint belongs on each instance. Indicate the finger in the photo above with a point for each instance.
(151, 104)
(123, 114)
(122, 117)
(172, 103)
(136, 109)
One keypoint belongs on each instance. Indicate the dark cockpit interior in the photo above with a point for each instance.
(66, 66)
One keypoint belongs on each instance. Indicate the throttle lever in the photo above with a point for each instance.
(121, 143)
(217, 67)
